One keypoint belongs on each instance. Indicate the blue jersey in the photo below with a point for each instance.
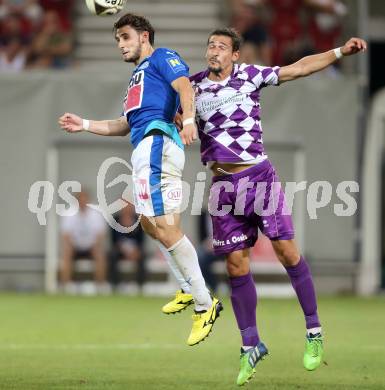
(151, 102)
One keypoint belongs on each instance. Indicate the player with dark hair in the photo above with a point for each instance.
(228, 117)
(159, 84)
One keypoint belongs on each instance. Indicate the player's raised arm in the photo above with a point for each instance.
(187, 101)
(314, 63)
(113, 127)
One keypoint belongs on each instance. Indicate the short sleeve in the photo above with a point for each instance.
(262, 76)
(170, 65)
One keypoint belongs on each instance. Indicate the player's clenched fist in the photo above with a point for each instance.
(71, 123)
(353, 46)
(188, 134)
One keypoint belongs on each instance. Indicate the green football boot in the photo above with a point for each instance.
(249, 359)
(312, 357)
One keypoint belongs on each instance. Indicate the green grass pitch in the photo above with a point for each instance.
(120, 342)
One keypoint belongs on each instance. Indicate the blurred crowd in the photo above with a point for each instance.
(38, 33)
(279, 32)
(35, 34)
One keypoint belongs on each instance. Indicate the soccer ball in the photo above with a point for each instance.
(105, 7)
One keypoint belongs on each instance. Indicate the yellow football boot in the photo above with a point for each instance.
(203, 323)
(179, 303)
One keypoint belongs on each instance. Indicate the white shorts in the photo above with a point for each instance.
(157, 164)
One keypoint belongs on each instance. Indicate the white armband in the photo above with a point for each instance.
(86, 124)
(188, 121)
(338, 53)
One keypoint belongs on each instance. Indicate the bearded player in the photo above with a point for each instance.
(158, 85)
(228, 116)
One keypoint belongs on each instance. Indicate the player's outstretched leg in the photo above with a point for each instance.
(244, 302)
(302, 282)
(166, 229)
(207, 309)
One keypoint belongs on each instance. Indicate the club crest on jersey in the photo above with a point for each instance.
(134, 95)
(175, 64)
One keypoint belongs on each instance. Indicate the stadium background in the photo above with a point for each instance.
(331, 125)
(323, 117)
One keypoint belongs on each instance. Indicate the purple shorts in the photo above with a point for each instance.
(242, 202)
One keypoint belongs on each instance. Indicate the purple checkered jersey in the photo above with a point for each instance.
(228, 113)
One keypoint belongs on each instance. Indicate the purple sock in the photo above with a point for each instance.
(244, 301)
(302, 282)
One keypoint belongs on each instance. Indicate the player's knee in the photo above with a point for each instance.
(290, 261)
(162, 237)
(288, 256)
(169, 238)
(235, 268)
(168, 235)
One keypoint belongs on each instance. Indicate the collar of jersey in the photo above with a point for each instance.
(232, 74)
(141, 62)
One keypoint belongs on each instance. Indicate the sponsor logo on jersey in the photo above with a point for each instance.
(240, 238)
(208, 106)
(174, 194)
(175, 64)
(233, 240)
(218, 242)
(142, 189)
(134, 95)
